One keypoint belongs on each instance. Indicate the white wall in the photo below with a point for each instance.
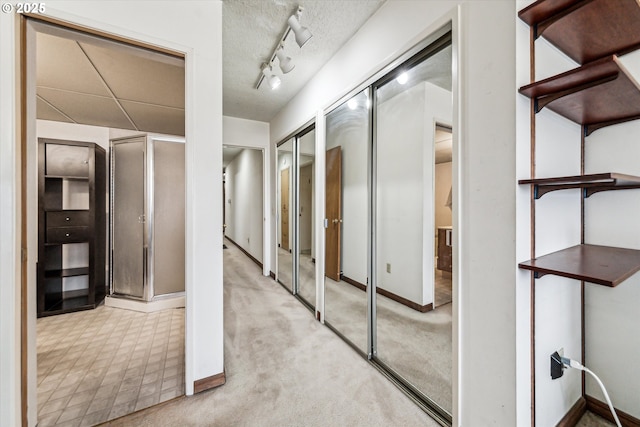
(192, 27)
(243, 198)
(612, 330)
(484, 206)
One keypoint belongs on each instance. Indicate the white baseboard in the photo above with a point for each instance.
(145, 307)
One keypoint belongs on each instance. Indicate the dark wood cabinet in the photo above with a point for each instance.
(71, 226)
(445, 254)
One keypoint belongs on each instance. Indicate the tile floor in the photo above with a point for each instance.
(100, 364)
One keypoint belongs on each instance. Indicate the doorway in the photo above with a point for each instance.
(284, 209)
(102, 363)
(243, 200)
(443, 207)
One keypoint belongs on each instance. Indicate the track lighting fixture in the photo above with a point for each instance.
(302, 33)
(286, 64)
(273, 80)
(302, 36)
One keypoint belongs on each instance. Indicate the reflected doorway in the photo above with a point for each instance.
(443, 215)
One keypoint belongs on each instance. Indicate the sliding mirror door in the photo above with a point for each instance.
(413, 337)
(285, 220)
(305, 219)
(347, 139)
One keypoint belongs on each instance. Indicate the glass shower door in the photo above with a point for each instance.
(128, 250)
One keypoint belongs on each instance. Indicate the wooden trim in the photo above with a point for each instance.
(317, 315)
(272, 275)
(103, 34)
(209, 382)
(390, 295)
(353, 282)
(24, 257)
(576, 412)
(532, 237)
(254, 259)
(404, 301)
(602, 409)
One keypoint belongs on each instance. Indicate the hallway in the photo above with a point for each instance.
(283, 368)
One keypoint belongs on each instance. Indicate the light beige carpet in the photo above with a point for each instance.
(283, 369)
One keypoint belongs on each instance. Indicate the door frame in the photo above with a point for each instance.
(28, 197)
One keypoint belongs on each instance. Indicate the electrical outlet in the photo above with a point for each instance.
(388, 268)
(557, 367)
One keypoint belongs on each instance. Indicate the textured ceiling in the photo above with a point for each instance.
(251, 31)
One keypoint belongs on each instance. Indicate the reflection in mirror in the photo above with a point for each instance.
(306, 191)
(346, 209)
(442, 293)
(285, 222)
(413, 337)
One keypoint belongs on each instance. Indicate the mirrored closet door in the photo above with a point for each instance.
(285, 221)
(413, 339)
(305, 191)
(347, 142)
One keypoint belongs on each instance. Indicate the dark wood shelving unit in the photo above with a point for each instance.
(586, 30)
(590, 184)
(602, 265)
(598, 94)
(84, 165)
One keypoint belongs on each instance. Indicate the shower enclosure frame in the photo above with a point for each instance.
(147, 218)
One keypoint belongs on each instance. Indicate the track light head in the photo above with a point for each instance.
(273, 80)
(302, 34)
(286, 63)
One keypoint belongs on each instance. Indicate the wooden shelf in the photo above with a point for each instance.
(602, 265)
(67, 272)
(69, 177)
(68, 305)
(589, 183)
(595, 95)
(586, 30)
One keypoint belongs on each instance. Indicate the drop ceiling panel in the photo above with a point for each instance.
(152, 118)
(62, 65)
(137, 77)
(87, 109)
(47, 112)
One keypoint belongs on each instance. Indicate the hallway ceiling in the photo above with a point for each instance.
(86, 80)
(251, 32)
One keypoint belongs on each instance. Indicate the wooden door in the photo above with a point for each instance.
(284, 209)
(333, 211)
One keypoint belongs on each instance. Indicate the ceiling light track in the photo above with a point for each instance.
(302, 36)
